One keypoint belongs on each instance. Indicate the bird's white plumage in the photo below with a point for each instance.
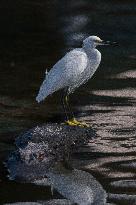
(64, 73)
(74, 69)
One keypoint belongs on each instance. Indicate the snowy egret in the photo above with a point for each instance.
(73, 70)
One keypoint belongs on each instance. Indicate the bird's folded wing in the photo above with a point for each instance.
(64, 73)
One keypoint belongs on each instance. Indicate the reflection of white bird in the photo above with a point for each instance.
(73, 70)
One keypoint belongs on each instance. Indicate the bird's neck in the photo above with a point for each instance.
(90, 50)
(94, 56)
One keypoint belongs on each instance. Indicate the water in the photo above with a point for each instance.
(34, 35)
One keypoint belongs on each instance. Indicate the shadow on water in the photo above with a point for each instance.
(34, 35)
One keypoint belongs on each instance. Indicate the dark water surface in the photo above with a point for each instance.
(33, 36)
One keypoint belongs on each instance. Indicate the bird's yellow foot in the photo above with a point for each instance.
(74, 122)
(82, 124)
(71, 123)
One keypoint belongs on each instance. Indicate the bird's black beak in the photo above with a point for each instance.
(108, 43)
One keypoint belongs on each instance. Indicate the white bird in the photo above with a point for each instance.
(73, 70)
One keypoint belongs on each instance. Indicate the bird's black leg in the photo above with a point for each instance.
(68, 112)
(70, 119)
(65, 101)
(71, 114)
(64, 105)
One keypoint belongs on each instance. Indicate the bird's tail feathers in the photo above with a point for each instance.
(41, 96)
(44, 91)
